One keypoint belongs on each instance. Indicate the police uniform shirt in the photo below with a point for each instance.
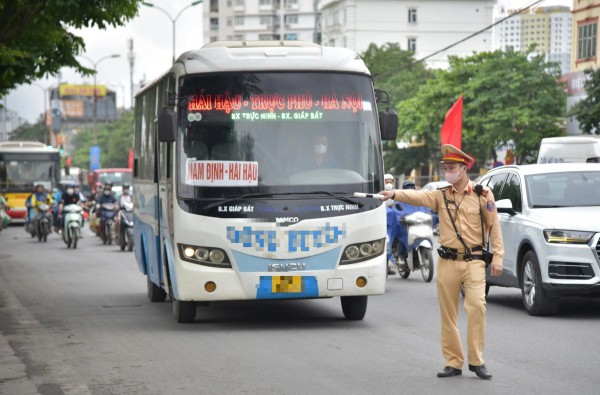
(465, 210)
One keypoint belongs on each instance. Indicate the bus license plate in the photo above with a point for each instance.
(286, 284)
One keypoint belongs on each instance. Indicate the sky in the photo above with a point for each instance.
(151, 32)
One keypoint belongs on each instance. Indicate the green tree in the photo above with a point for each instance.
(29, 132)
(35, 40)
(396, 72)
(114, 139)
(587, 111)
(508, 96)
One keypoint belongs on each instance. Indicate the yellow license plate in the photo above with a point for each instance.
(286, 284)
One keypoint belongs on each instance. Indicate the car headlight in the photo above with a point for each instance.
(362, 251)
(207, 256)
(567, 236)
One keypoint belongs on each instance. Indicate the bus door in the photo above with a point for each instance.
(165, 198)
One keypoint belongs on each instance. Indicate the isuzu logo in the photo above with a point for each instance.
(287, 267)
(287, 219)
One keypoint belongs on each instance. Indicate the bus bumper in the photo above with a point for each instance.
(195, 282)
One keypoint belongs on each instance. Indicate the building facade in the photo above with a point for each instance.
(549, 29)
(422, 26)
(585, 35)
(240, 20)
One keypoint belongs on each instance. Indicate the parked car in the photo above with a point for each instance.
(548, 217)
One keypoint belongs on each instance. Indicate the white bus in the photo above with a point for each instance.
(246, 157)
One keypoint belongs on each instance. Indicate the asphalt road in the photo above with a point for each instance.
(79, 322)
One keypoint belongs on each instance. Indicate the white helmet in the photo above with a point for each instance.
(388, 177)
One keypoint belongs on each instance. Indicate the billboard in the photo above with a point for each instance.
(81, 90)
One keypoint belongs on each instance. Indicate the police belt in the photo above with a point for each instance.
(460, 254)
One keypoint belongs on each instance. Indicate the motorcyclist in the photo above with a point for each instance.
(394, 213)
(68, 197)
(107, 197)
(389, 180)
(125, 198)
(91, 203)
(36, 199)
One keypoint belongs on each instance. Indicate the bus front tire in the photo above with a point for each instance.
(155, 293)
(184, 312)
(354, 307)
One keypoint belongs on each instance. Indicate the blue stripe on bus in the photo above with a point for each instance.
(310, 289)
(325, 261)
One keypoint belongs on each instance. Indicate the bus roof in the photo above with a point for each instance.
(25, 146)
(252, 56)
(270, 55)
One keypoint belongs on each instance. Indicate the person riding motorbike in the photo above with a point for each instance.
(125, 198)
(388, 180)
(107, 197)
(91, 204)
(68, 197)
(37, 198)
(394, 212)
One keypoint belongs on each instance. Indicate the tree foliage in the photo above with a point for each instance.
(395, 71)
(28, 132)
(587, 111)
(508, 96)
(35, 40)
(114, 139)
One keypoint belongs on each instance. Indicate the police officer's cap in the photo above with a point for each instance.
(451, 154)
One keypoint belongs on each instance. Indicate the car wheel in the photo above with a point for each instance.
(535, 300)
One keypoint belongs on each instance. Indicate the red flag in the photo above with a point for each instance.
(452, 128)
(130, 159)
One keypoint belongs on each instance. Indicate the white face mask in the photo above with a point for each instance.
(107, 193)
(70, 191)
(320, 148)
(453, 178)
(388, 187)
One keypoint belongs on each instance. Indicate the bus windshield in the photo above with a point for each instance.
(115, 177)
(277, 132)
(20, 172)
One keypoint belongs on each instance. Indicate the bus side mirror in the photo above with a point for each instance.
(388, 118)
(388, 122)
(166, 125)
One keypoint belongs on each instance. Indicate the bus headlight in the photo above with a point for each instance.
(362, 251)
(207, 256)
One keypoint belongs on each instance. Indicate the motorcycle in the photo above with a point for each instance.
(42, 223)
(126, 227)
(73, 222)
(410, 233)
(106, 213)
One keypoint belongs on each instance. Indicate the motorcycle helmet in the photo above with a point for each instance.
(408, 184)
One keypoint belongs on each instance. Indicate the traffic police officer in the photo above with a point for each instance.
(466, 215)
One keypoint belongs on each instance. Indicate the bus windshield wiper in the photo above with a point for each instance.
(337, 195)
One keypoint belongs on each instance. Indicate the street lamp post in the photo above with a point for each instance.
(173, 20)
(44, 90)
(96, 63)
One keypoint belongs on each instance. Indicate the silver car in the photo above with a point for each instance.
(550, 221)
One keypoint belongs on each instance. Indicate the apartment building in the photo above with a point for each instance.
(585, 35)
(422, 26)
(260, 20)
(549, 29)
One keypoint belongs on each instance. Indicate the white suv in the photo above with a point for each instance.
(550, 220)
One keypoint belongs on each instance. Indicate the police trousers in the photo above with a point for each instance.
(451, 276)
